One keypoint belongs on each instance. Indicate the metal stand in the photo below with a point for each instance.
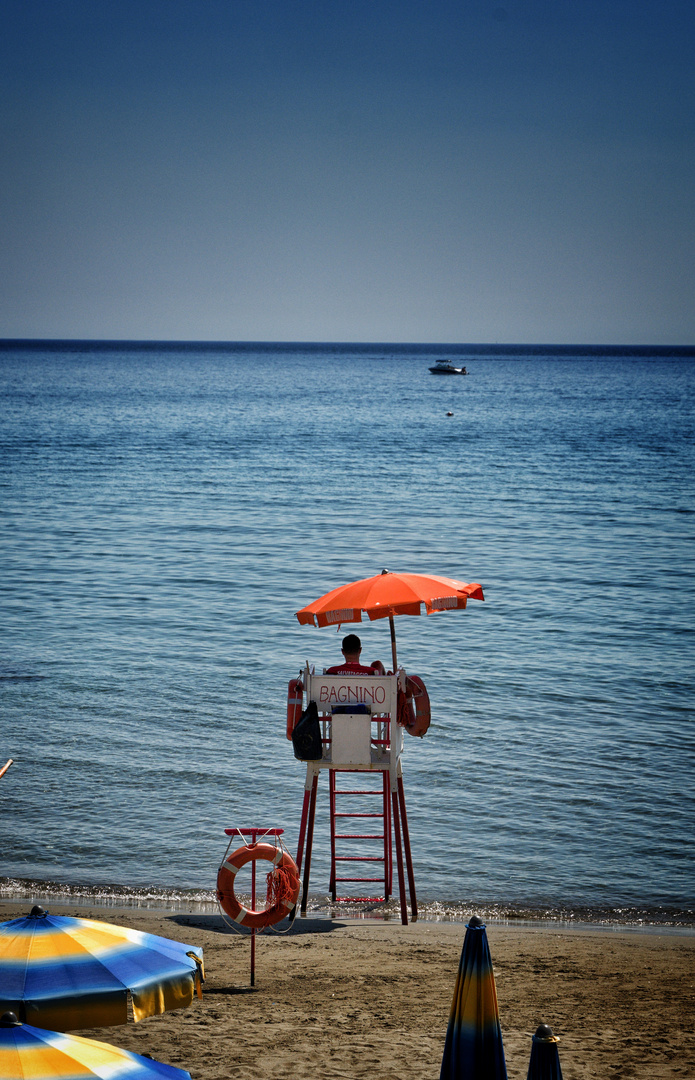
(255, 834)
(401, 837)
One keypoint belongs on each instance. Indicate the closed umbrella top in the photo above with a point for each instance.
(545, 1060)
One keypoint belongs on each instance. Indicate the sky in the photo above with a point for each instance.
(348, 170)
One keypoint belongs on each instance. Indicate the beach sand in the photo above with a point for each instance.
(352, 999)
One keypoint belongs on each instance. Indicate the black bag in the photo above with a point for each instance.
(306, 737)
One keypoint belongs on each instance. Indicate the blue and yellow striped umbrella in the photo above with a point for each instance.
(30, 1053)
(473, 1049)
(545, 1060)
(59, 972)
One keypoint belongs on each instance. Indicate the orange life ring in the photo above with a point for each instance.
(421, 698)
(295, 689)
(406, 712)
(414, 706)
(288, 894)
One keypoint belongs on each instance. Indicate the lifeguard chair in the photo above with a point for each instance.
(360, 735)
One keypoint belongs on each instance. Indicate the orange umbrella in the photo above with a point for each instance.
(386, 595)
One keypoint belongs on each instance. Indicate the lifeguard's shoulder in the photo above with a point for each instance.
(350, 669)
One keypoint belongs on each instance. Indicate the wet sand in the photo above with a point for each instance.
(367, 999)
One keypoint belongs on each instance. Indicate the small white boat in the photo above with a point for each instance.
(446, 367)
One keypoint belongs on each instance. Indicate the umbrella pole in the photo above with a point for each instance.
(393, 644)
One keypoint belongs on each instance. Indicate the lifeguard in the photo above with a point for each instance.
(351, 650)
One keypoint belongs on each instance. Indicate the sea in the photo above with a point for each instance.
(165, 510)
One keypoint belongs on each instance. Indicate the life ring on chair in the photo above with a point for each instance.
(414, 706)
(421, 698)
(406, 712)
(283, 885)
(295, 689)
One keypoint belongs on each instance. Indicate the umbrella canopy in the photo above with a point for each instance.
(545, 1060)
(30, 1052)
(60, 972)
(387, 594)
(473, 1049)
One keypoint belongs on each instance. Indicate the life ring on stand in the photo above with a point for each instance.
(295, 689)
(283, 885)
(414, 706)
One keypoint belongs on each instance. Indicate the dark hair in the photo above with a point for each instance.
(351, 643)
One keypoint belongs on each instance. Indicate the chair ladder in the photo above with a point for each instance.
(375, 847)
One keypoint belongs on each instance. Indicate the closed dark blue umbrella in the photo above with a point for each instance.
(545, 1061)
(473, 1049)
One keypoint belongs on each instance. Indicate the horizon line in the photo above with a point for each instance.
(210, 343)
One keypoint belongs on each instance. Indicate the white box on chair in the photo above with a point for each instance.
(351, 735)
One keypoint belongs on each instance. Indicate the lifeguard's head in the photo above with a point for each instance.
(351, 648)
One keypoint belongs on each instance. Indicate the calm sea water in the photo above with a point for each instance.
(166, 510)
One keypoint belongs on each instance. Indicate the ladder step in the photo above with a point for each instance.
(359, 858)
(355, 813)
(359, 879)
(359, 836)
(359, 899)
(346, 792)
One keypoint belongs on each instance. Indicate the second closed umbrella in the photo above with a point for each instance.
(473, 1049)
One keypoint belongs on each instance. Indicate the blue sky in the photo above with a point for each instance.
(492, 170)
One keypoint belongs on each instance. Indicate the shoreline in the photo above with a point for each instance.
(370, 998)
(157, 909)
(156, 899)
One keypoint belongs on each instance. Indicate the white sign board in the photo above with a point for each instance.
(377, 692)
